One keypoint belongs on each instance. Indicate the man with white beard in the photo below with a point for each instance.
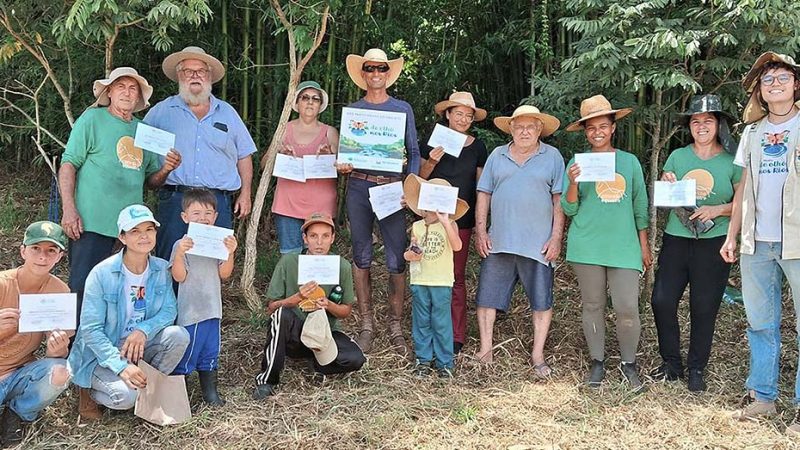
(214, 144)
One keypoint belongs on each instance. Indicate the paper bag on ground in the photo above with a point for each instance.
(164, 401)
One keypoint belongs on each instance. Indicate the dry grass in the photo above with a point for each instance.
(497, 406)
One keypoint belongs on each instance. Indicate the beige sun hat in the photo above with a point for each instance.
(100, 88)
(411, 188)
(317, 336)
(460, 99)
(354, 63)
(597, 106)
(550, 123)
(170, 64)
(754, 110)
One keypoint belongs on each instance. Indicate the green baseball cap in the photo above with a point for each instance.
(45, 231)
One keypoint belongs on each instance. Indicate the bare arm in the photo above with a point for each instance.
(226, 268)
(70, 218)
(451, 230)
(171, 162)
(482, 242)
(243, 202)
(728, 250)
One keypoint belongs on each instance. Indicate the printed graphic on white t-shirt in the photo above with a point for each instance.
(135, 300)
(772, 173)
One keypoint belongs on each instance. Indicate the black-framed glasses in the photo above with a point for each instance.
(188, 73)
(369, 68)
(310, 98)
(769, 80)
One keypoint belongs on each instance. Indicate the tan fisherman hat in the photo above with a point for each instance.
(411, 188)
(754, 110)
(170, 64)
(100, 88)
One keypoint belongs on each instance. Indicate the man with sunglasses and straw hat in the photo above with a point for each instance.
(375, 73)
(766, 208)
(102, 172)
(526, 232)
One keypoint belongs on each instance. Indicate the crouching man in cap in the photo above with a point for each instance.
(27, 384)
(304, 319)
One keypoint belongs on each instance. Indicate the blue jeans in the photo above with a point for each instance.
(290, 237)
(431, 325)
(84, 254)
(29, 390)
(203, 351)
(761, 290)
(168, 214)
(163, 352)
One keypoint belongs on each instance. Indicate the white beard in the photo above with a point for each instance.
(194, 99)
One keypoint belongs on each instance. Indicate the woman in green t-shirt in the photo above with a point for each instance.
(690, 248)
(607, 240)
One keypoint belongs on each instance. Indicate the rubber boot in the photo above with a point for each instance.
(397, 284)
(208, 385)
(364, 302)
(87, 408)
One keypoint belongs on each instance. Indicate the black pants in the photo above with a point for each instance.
(84, 254)
(695, 262)
(283, 339)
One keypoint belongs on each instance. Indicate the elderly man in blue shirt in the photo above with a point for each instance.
(214, 144)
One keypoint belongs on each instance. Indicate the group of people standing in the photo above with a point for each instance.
(165, 309)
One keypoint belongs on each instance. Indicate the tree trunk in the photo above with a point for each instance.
(109, 53)
(245, 92)
(224, 19)
(259, 81)
(655, 155)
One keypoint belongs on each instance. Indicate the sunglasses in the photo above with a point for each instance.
(769, 80)
(308, 98)
(369, 69)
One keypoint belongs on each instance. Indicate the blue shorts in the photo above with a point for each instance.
(499, 275)
(361, 218)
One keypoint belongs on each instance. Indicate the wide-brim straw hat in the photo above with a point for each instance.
(597, 106)
(100, 88)
(411, 187)
(170, 64)
(550, 123)
(310, 85)
(355, 62)
(754, 110)
(460, 99)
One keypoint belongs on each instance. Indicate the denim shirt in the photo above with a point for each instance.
(103, 315)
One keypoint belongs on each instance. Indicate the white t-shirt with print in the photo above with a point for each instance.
(135, 300)
(771, 177)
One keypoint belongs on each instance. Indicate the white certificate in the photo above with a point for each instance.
(207, 240)
(324, 269)
(47, 312)
(153, 139)
(679, 193)
(450, 140)
(289, 167)
(598, 166)
(322, 166)
(385, 199)
(433, 197)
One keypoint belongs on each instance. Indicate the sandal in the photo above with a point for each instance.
(542, 371)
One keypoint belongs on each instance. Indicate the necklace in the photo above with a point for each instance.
(781, 115)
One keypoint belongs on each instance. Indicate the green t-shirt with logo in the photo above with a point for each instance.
(284, 284)
(110, 171)
(606, 219)
(715, 180)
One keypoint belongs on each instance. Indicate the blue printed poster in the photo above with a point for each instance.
(373, 140)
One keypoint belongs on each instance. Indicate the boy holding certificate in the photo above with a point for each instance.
(28, 385)
(433, 241)
(200, 295)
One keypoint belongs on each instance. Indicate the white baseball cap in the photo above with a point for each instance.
(133, 215)
(317, 336)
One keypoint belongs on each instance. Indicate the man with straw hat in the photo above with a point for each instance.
(375, 73)
(766, 208)
(102, 172)
(212, 139)
(525, 237)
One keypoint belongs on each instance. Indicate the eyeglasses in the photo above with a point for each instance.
(369, 69)
(528, 128)
(312, 99)
(769, 80)
(461, 116)
(188, 73)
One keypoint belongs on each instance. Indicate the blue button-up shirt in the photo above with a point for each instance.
(210, 147)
